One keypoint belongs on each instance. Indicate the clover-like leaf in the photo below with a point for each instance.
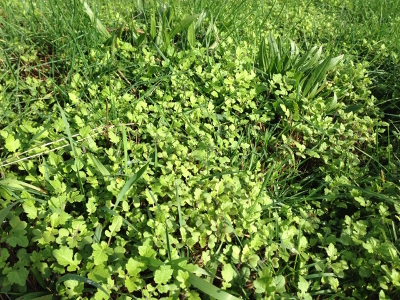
(18, 276)
(101, 252)
(30, 208)
(17, 235)
(331, 251)
(280, 283)
(4, 255)
(163, 275)
(133, 284)
(228, 273)
(303, 284)
(113, 137)
(65, 257)
(134, 267)
(12, 144)
(146, 250)
(182, 277)
(115, 226)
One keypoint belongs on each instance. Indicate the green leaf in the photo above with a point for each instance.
(280, 282)
(182, 277)
(229, 223)
(18, 276)
(319, 275)
(253, 260)
(331, 250)
(101, 252)
(12, 144)
(4, 255)
(296, 116)
(64, 257)
(334, 283)
(303, 284)
(353, 108)
(228, 273)
(116, 214)
(17, 234)
(30, 208)
(73, 97)
(113, 137)
(115, 226)
(309, 60)
(134, 267)
(146, 250)
(67, 129)
(133, 284)
(17, 237)
(318, 74)
(163, 275)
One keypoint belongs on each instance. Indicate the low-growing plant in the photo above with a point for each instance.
(167, 157)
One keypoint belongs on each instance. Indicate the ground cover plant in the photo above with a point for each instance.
(199, 150)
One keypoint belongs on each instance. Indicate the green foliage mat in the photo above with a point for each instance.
(177, 156)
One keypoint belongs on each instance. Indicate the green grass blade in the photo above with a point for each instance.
(191, 35)
(229, 223)
(128, 184)
(67, 129)
(72, 144)
(199, 283)
(310, 60)
(318, 74)
(18, 183)
(383, 197)
(333, 62)
(178, 202)
(125, 142)
(183, 25)
(167, 240)
(4, 212)
(36, 296)
(80, 279)
(100, 27)
(151, 262)
(97, 234)
(262, 57)
(209, 289)
(103, 170)
(320, 275)
(38, 276)
(153, 25)
(266, 180)
(155, 156)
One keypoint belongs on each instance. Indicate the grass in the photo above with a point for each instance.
(249, 148)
